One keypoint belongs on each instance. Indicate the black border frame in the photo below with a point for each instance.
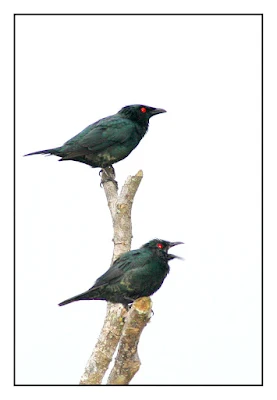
(14, 165)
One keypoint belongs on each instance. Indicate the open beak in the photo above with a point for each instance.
(172, 256)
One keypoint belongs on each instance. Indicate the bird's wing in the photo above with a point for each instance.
(101, 135)
(126, 262)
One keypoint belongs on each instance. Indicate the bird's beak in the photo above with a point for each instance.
(174, 244)
(158, 111)
(172, 256)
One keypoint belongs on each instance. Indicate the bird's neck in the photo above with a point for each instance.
(142, 123)
(162, 261)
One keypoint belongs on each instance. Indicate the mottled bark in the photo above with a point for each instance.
(127, 361)
(119, 325)
(105, 347)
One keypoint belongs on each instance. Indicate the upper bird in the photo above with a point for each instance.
(108, 140)
(136, 273)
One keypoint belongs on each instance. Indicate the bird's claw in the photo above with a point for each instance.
(108, 174)
(109, 180)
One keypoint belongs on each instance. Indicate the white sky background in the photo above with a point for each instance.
(201, 185)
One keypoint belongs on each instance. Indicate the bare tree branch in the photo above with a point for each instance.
(120, 208)
(105, 347)
(127, 361)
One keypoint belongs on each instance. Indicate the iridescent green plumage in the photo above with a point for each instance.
(108, 140)
(134, 274)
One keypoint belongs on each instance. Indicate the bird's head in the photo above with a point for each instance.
(162, 246)
(140, 113)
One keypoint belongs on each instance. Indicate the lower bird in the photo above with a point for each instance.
(135, 274)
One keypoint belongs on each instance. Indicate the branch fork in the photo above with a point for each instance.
(121, 328)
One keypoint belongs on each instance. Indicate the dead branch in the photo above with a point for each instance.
(120, 208)
(127, 361)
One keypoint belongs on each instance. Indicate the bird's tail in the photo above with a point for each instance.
(55, 151)
(88, 295)
(75, 298)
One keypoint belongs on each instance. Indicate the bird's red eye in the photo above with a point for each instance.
(143, 110)
(160, 246)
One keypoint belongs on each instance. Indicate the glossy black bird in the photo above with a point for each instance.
(134, 274)
(108, 140)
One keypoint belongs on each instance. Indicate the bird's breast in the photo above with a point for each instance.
(113, 154)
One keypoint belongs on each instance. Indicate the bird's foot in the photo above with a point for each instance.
(127, 303)
(108, 175)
